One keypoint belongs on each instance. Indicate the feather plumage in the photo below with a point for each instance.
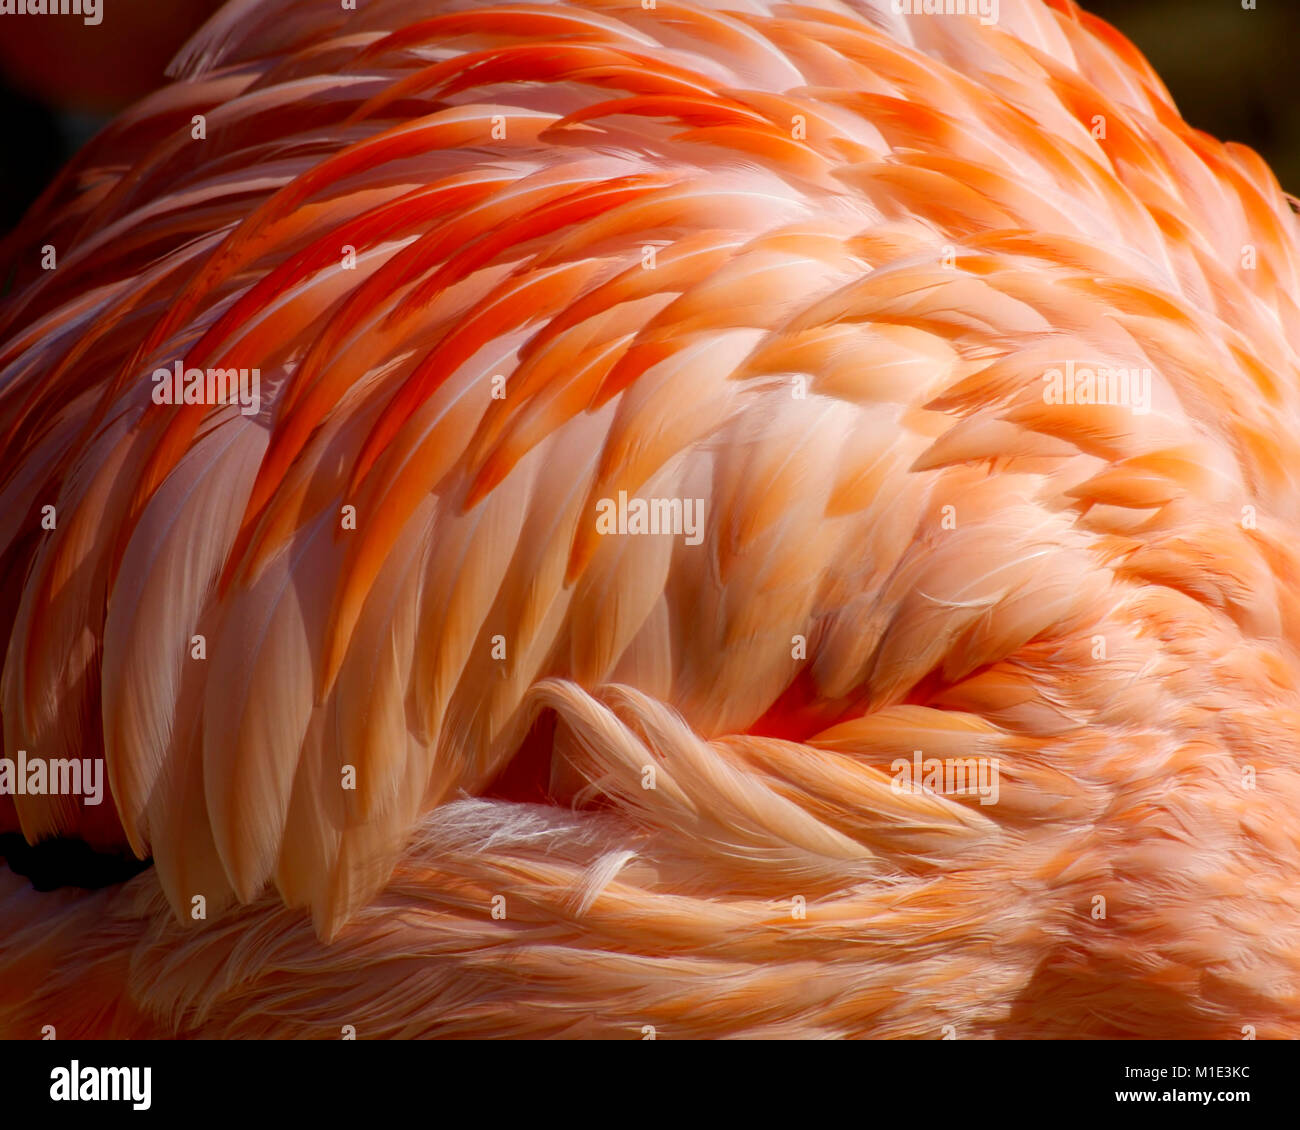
(806, 263)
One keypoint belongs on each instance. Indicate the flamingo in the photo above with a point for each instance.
(667, 442)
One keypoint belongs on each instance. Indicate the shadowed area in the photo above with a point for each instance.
(52, 864)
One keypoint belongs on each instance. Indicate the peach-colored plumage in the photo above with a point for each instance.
(806, 262)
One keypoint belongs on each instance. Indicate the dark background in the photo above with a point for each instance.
(1231, 71)
(61, 81)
